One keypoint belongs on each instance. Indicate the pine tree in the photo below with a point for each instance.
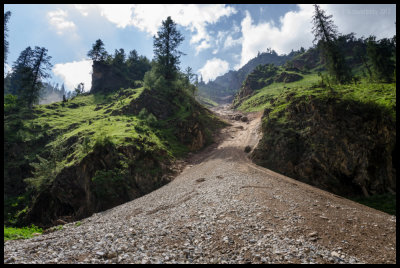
(79, 89)
(360, 53)
(380, 56)
(166, 49)
(119, 61)
(62, 89)
(6, 44)
(325, 32)
(40, 65)
(22, 72)
(98, 52)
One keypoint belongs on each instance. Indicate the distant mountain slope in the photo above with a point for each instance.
(229, 83)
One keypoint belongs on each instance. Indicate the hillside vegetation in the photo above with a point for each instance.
(97, 151)
(67, 160)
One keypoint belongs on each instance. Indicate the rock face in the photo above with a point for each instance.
(288, 77)
(74, 194)
(341, 146)
(107, 79)
(258, 78)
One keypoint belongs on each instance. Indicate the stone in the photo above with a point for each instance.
(335, 254)
(247, 149)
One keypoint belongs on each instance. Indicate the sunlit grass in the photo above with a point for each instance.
(12, 233)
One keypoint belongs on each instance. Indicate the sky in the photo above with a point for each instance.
(218, 37)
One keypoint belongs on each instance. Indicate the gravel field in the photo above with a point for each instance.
(222, 209)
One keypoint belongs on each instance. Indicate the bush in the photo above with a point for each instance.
(109, 185)
(103, 141)
(149, 79)
(86, 145)
(137, 84)
(45, 171)
(152, 120)
(10, 103)
(154, 81)
(143, 114)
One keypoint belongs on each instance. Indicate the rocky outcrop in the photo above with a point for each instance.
(79, 191)
(153, 102)
(288, 77)
(345, 147)
(260, 77)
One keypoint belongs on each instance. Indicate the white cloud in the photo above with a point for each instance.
(194, 17)
(7, 69)
(213, 68)
(83, 9)
(230, 42)
(294, 33)
(203, 45)
(73, 73)
(365, 19)
(58, 19)
(121, 15)
(148, 18)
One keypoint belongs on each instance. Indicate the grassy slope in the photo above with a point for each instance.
(381, 95)
(92, 120)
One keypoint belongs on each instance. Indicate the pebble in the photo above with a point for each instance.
(222, 218)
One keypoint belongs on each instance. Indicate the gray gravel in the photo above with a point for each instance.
(222, 209)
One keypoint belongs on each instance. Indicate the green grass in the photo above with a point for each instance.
(11, 233)
(91, 120)
(380, 94)
(262, 97)
(206, 101)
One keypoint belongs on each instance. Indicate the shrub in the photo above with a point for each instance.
(86, 145)
(137, 84)
(109, 185)
(152, 120)
(103, 141)
(153, 81)
(45, 171)
(10, 103)
(143, 114)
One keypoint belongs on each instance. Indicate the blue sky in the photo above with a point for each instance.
(218, 38)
